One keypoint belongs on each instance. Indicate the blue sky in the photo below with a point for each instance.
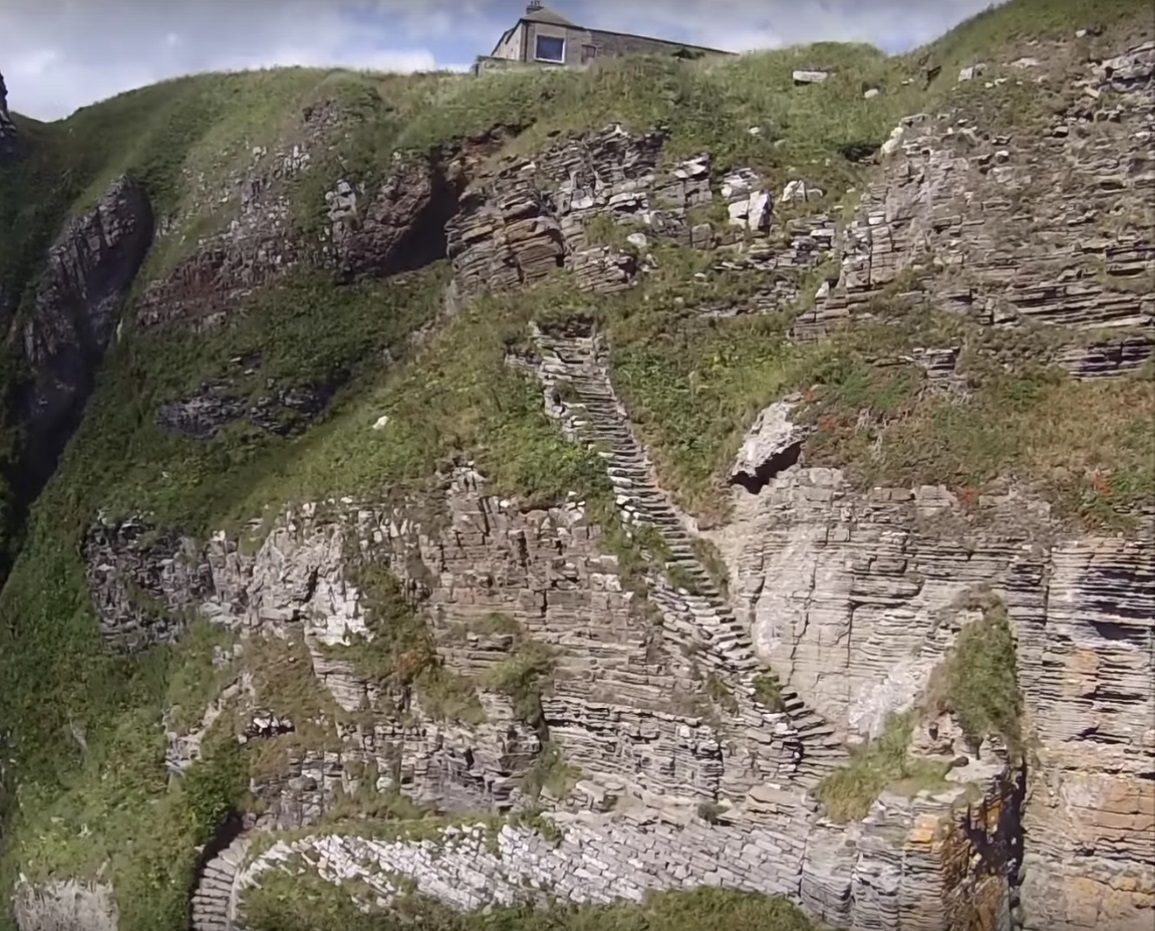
(60, 54)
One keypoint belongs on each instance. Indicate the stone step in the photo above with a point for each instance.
(214, 884)
(631, 472)
(643, 502)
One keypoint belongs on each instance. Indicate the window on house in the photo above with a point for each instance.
(589, 53)
(549, 48)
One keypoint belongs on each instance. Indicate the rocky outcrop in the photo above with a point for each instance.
(588, 204)
(393, 227)
(773, 445)
(8, 135)
(1048, 225)
(849, 596)
(89, 270)
(898, 872)
(611, 711)
(399, 226)
(282, 410)
(145, 583)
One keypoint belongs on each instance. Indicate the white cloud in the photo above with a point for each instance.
(57, 55)
(60, 54)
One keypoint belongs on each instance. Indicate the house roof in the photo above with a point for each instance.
(543, 14)
(546, 15)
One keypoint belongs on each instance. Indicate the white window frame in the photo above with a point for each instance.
(537, 37)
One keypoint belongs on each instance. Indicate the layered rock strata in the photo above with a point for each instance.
(902, 869)
(1049, 226)
(535, 216)
(850, 596)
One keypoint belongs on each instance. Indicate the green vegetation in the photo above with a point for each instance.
(883, 763)
(448, 407)
(1085, 445)
(117, 812)
(550, 773)
(720, 693)
(710, 812)
(198, 677)
(694, 386)
(405, 411)
(522, 677)
(768, 690)
(286, 903)
(978, 681)
(306, 334)
(400, 655)
(279, 670)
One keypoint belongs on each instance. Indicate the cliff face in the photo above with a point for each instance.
(535, 511)
(7, 127)
(88, 272)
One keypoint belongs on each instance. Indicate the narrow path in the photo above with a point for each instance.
(724, 642)
(214, 902)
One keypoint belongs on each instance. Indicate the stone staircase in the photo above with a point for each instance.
(722, 642)
(214, 901)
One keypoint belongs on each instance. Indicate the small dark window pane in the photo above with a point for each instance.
(589, 53)
(550, 48)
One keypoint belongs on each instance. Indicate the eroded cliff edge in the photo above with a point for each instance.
(534, 517)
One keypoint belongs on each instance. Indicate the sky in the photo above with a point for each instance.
(57, 55)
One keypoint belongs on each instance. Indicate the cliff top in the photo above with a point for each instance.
(185, 135)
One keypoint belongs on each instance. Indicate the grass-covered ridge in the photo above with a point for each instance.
(402, 412)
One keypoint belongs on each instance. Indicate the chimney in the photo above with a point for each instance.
(533, 6)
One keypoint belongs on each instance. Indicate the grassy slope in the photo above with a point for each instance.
(694, 385)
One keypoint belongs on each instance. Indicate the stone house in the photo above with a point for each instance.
(543, 38)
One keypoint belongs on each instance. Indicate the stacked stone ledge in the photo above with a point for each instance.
(214, 904)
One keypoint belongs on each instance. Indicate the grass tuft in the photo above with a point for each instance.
(978, 681)
(883, 763)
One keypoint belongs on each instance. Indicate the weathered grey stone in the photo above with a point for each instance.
(621, 855)
(946, 192)
(144, 582)
(65, 905)
(772, 445)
